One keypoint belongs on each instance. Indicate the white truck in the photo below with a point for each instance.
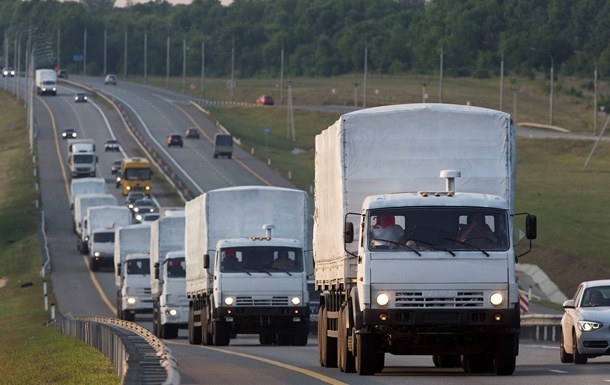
(395, 273)
(46, 82)
(132, 270)
(234, 283)
(82, 203)
(168, 276)
(97, 237)
(86, 186)
(82, 160)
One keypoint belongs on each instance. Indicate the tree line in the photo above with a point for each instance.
(252, 38)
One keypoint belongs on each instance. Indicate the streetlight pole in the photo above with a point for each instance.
(366, 49)
(183, 64)
(145, 56)
(355, 94)
(515, 89)
(424, 83)
(502, 82)
(440, 93)
(552, 84)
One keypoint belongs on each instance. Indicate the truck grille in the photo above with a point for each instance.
(441, 299)
(261, 301)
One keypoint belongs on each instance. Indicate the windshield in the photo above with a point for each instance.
(434, 228)
(598, 296)
(105, 237)
(224, 140)
(138, 266)
(261, 259)
(137, 174)
(176, 268)
(83, 158)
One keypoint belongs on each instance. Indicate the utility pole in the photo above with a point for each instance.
(202, 65)
(233, 71)
(145, 56)
(167, 64)
(85, 53)
(125, 56)
(366, 48)
(440, 91)
(282, 75)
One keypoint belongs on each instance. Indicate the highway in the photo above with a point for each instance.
(80, 292)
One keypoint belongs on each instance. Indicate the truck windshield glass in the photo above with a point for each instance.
(83, 158)
(103, 237)
(261, 259)
(176, 268)
(138, 266)
(430, 229)
(137, 174)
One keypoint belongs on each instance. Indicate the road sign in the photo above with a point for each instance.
(229, 84)
(78, 57)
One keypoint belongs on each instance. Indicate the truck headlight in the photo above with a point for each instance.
(496, 299)
(229, 301)
(171, 312)
(147, 188)
(296, 301)
(131, 300)
(383, 299)
(96, 254)
(139, 218)
(589, 326)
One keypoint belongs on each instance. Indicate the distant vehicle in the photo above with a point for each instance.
(584, 325)
(143, 206)
(62, 74)
(110, 79)
(174, 140)
(150, 217)
(116, 166)
(112, 145)
(132, 197)
(223, 145)
(265, 100)
(69, 133)
(8, 71)
(191, 132)
(80, 98)
(136, 175)
(46, 82)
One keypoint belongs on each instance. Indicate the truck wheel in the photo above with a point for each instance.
(477, 363)
(301, 334)
(220, 333)
(564, 356)
(169, 331)
(579, 359)
(448, 361)
(505, 358)
(366, 354)
(327, 347)
(345, 358)
(266, 338)
(283, 339)
(205, 321)
(194, 332)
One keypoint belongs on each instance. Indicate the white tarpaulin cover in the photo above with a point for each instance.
(239, 212)
(166, 234)
(130, 239)
(403, 148)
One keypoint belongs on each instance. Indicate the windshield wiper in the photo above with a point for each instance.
(276, 269)
(434, 246)
(400, 245)
(468, 245)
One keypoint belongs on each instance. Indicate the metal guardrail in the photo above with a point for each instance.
(541, 327)
(136, 354)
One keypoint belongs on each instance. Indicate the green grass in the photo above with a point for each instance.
(30, 352)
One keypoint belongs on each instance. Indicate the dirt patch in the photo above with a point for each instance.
(3, 281)
(567, 271)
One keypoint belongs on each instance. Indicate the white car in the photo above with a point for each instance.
(585, 326)
(110, 79)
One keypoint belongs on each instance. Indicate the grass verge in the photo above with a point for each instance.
(30, 352)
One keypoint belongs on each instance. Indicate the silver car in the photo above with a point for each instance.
(585, 331)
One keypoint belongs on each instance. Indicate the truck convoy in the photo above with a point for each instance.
(400, 269)
(82, 160)
(86, 186)
(168, 276)
(132, 270)
(245, 265)
(97, 237)
(82, 203)
(46, 82)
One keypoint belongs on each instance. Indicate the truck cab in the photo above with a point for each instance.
(101, 248)
(173, 304)
(261, 288)
(134, 292)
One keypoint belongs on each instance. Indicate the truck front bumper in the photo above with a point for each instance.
(257, 319)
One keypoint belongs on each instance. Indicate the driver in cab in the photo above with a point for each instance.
(477, 232)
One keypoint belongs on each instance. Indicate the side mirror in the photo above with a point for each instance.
(206, 261)
(156, 270)
(348, 232)
(569, 304)
(531, 228)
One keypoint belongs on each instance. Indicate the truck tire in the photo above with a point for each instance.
(345, 358)
(505, 358)
(266, 338)
(169, 331)
(301, 334)
(447, 361)
(194, 332)
(366, 355)
(205, 323)
(327, 347)
(220, 333)
(477, 363)
(564, 356)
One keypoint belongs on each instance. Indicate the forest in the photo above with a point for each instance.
(322, 38)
